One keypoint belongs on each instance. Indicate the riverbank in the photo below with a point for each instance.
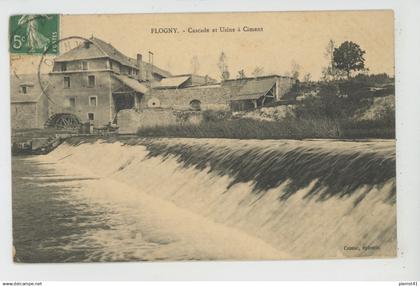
(245, 128)
(288, 128)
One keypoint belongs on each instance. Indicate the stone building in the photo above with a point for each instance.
(252, 93)
(29, 108)
(236, 94)
(94, 82)
(215, 97)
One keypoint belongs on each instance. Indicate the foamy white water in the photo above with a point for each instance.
(157, 208)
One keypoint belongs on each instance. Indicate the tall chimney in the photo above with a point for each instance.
(140, 67)
(149, 72)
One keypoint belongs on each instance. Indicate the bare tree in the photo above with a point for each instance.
(223, 67)
(195, 65)
(307, 77)
(295, 70)
(329, 52)
(330, 72)
(258, 71)
(241, 74)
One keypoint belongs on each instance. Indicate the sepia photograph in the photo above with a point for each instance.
(203, 136)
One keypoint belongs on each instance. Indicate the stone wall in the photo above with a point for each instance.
(130, 120)
(213, 97)
(284, 85)
(23, 115)
(42, 108)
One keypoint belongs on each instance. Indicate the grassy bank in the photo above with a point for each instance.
(289, 128)
(348, 109)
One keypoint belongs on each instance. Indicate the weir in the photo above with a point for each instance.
(305, 199)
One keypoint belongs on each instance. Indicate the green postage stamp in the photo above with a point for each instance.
(34, 34)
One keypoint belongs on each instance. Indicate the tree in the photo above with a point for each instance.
(258, 71)
(195, 65)
(330, 72)
(223, 67)
(329, 53)
(241, 74)
(295, 70)
(349, 57)
(327, 104)
(307, 77)
(225, 75)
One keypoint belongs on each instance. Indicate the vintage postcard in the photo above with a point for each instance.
(203, 136)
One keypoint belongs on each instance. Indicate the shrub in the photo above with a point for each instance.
(327, 104)
(373, 79)
(185, 116)
(215, 115)
(247, 128)
(366, 129)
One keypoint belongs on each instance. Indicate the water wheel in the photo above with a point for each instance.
(63, 121)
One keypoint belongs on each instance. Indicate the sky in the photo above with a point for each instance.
(287, 37)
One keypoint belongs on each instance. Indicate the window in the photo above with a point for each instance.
(85, 65)
(110, 65)
(195, 104)
(93, 101)
(24, 89)
(131, 71)
(91, 81)
(66, 82)
(63, 66)
(91, 116)
(72, 102)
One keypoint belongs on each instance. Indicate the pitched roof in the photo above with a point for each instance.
(132, 83)
(199, 79)
(34, 92)
(171, 82)
(102, 49)
(250, 88)
(113, 53)
(97, 49)
(81, 53)
(157, 70)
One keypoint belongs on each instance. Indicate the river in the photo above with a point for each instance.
(187, 199)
